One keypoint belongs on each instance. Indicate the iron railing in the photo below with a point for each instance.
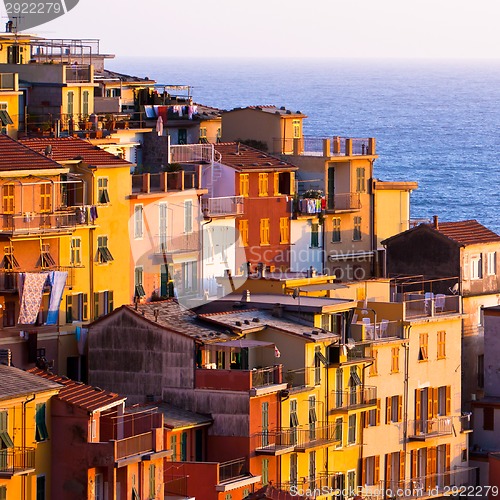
(134, 445)
(16, 460)
(33, 222)
(233, 469)
(343, 202)
(266, 376)
(187, 242)
(225, 205)
(441, 426)
(356, 397)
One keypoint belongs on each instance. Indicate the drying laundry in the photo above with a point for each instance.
(30, 296)
(57, 280)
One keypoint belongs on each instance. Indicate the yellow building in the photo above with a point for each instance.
(25, 430)
(9, 104)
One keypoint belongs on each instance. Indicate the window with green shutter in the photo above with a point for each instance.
(152, 481)
(41, 426)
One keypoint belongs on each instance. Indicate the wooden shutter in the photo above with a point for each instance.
(85, 302)
(418, 413)
(448, 399)
(402, 466)
(430, 402)
(363, 471)
(400, 408)
(276, 183)
(366, 419)
(413, 457)
(435, 398)
(376, 472)
(433, 465)
(96, 305)
(388, 470)
(388, 410)
(447, 464)
(377, 414)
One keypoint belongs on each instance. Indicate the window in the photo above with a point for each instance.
(265, 423)
(476, 263)
(488, 418)
(373, 416)
(41, 426)
(188, 216)
(189, 277)
(312, 466)
(173, 447)
(77, 307)
(163, 222)
(318, 358)
(8, 198)
(45, 197)
(3, 492)
(244, 184)
(338, 431)
(265, 471)
(75, 257)
(351, 433)
(394, 409)
(5, 118)
(395, 360)
(336, 230)
(9, 313)
(243, 229)
(71, 101)
(46, 260)
(351, 483)
(264, 232)
(374, 366)
(480, 371)
(103, 253)
(441, 345)
(184, 437)
(138, 221)
(360, 180)
(228, 496)
(85, 103)
(103, 303)
(284, 230)
(203, 132)
(356, 232)
(40, 488)
(5, 439)
(491, 263)
(314, 235)
(313, 418)
(152, 481)
(263, 184)
(423, 353)
(370, 471)
(294, 420)
(296, 129)
(443, 400)
(102, 190)
(138, 283)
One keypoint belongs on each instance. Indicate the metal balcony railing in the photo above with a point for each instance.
(275, 441)
(134, 445)
(225, 205)
(78, 73)
(7, 81)
(16, 460)
(318, 434)
(187, 242)
(233, 469)
(421, 429)
(343, 202)
(32, 222)
(356, 397)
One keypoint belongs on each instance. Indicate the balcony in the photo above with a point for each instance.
(40, 223)
(134, 445)
(441, 484)
(367, 331)
(276, 442)
(417, 305)
(163, 182)
(9, 279)
(14, 461)
(318, 434)
(222, 206)
(8, 81)
(312, 487)
(343, 202)
(302, 378)
(187, 242)
(421, 430)
(325, 147)
(355, 398)
(238, 380)
(78, 73)
(175, 486)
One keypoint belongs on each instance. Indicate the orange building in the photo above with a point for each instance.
(102, 449)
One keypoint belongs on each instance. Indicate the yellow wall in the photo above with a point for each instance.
(11, 99)
(393, 213)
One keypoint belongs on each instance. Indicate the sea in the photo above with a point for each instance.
(436, 122)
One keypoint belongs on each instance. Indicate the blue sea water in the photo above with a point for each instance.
(436, 122)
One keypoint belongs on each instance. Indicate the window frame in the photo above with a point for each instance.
(103, 191)
(476, 267)
(263, 184)
(441, 344)
(491, 263)
(104, 256)
(336, 230)
(138, 221)
(265, 232)
(395, 360)
(356, 228)
(284, 231)
(243, 231)
(41, 431)
(244, 185)
(188, 217)
(360, 180)
(75, 255)
(351, 429)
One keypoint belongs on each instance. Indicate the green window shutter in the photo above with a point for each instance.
(41, 425)
(110, 301)
(85, 312)
(96, 305)
(69, 308)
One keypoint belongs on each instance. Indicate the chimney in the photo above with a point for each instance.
(237, 148)
(6, 357)
(245, 296)
(436, 223)
(277, 310)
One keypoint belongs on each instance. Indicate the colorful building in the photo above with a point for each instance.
(26, 434)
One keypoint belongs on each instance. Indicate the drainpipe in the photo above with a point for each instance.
(23, 444)
(406, 346)
(373, 238)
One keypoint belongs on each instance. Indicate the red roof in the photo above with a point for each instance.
(243, 157)
(467, 232)
(72, 148)
(79, 394)
(16, 156)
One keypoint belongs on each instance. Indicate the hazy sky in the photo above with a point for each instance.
(291, 28)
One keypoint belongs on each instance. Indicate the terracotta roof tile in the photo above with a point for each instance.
(243, 157)
(467, 232)
(16, 156)
(79, 394)
(71, 148)
(269, 108)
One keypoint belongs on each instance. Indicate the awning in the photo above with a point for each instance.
(243, 343)
(5, 118)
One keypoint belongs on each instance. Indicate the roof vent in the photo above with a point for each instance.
(238, 323)
(288, 112)
(247, 322)
(306, 334)
(283, 108)
(315, 332)
(256, 320)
